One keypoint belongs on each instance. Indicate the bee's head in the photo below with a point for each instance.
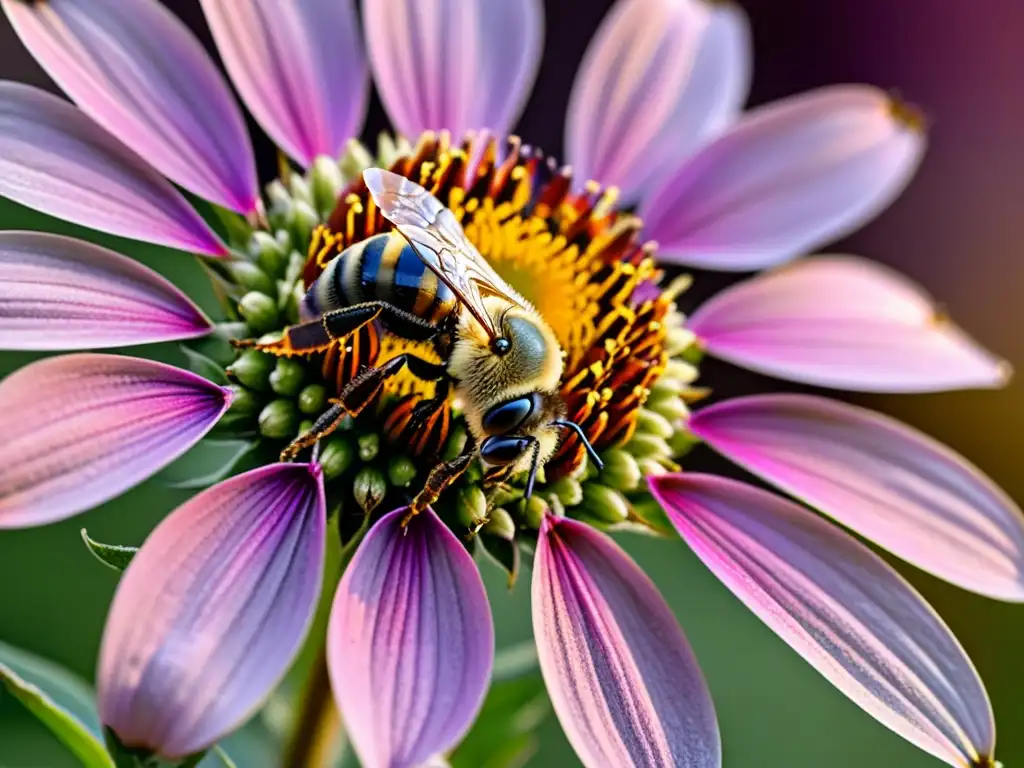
(523, 432)
(524, 358)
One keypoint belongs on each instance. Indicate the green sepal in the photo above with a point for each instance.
(16, 676)
(237, 228)
(208, 462)
(504, 552)
(504, 734)
(204, 366)
(141, 757)
(113, 556)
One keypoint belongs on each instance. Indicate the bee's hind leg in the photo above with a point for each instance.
(322, 427)
(316, 335)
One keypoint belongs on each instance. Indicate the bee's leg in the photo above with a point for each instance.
(317, 335)
(357, 394)
(322, 427)
(440, 477)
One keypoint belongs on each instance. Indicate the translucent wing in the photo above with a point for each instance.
(437, 237)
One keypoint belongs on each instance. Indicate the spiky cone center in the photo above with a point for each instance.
(578, 261)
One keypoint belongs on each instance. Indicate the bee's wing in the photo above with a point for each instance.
(437, 237)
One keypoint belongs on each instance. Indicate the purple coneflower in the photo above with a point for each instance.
(213, 608)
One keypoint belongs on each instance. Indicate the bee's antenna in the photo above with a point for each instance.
(583, 438)
(533, 470)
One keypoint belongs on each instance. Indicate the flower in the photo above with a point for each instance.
(215, 605)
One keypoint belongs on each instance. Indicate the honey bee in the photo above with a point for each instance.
(425, 281)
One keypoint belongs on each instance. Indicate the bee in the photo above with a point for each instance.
(425, 281)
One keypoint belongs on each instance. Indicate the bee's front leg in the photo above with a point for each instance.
(440, 477)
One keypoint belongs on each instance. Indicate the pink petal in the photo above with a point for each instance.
(454, 64)
(81, 429)
(623, 680)
(888, 482)
(61, 293)
(658, 79)
(299, 66)
(56, 160)
(840, 607)
(787, 178)
(212, 610)
(411, 643)
(138, 72)
(842, 321)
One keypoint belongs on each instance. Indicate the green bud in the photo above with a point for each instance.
(281, 210)
(670, 407)
(455, 444)
(259, 311)
(653, 423)
(681, 370)
(401, 471)
(369, 446)
(286, 378)
(252, 369)
(336, 455)
(568, 490)
(304, 221)
(536, 510)
(682, 442)
(326, 182)
(620, 470)
(249, 276)
(500, 523)
(648, 447)
(304, 426)
(666, 386)
(243, 401)
(300, 189)
(369, 488)
(503, 495)
(651, 467)
(357, 158)
(312, 399)
(555, 505)
(279, 419)
(678, 340)
(605, 503)
(471, 507)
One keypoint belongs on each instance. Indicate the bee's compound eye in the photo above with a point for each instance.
(503, 449)
(508, 416)
(501, 346)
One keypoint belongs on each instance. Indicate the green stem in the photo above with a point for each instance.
(317, 736)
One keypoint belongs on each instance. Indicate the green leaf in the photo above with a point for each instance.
(113, 556)
(514, 661)
(504, 553)
(58, 700)
(207, 463)
(204, 366)
(503, 736)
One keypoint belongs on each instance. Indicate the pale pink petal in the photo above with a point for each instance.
(55, 159)
(846, 322)
(81, 429)
(60, 293)
(785, 179)
(659, 78)
(411, 643)
(888, 482)
(624, 683)
(840, 607)
(212, 610)
(299, 66)
(453, 64)
(138, 71)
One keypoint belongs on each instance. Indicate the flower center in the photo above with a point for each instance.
(578, 261)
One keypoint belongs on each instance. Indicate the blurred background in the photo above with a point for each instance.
(958, 230)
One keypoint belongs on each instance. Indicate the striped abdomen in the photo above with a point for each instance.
(381, 268)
